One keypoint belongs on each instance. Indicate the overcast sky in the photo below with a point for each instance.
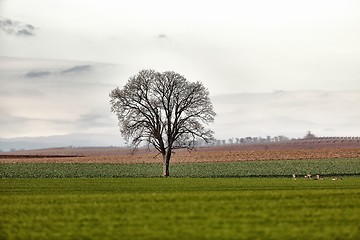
(60, 59)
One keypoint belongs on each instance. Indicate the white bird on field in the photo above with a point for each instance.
(308, 176)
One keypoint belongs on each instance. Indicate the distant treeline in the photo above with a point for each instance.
(270, 139)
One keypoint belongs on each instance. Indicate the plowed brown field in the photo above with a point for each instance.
(229, 153)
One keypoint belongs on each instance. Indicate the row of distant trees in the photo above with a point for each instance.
(243, 140)
(262, 140)
(251, 140)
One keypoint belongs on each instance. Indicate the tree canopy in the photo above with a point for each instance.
(163, 109)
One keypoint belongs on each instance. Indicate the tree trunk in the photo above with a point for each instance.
(166, 165)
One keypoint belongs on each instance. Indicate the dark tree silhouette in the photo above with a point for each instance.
(309, 135)
(164, 110)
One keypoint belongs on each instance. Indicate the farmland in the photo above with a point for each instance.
(179, 208)
(277, 160)
(279, 168)
(328, 158)
(292, 150)
(227, 192)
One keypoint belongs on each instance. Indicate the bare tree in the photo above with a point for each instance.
(164, 110)
(309, 135)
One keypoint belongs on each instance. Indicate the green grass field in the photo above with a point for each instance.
(179, 208)
(282, 168)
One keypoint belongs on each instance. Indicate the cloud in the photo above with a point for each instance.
(92, 117)
(162, 36)
(40, 97)
(78, 69)
(93, 120)
(37, 74)
(24, 32)
(290, 113)
(72, 70)
(5, 93)
(9, 120)
(16, 28)
(21, 92)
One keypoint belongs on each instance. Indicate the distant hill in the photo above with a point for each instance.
(74, 140)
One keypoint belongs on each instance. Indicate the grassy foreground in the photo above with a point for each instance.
(281, 168)
(179, 208)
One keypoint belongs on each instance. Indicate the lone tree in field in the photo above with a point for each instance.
(163, 109)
